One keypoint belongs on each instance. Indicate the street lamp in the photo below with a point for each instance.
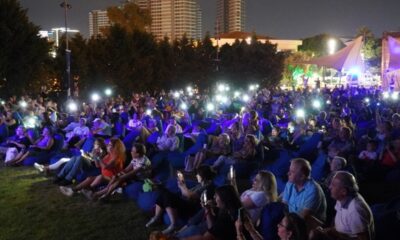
(67, 6)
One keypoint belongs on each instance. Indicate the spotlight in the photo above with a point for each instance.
(95, 97)
(366, 100)
(176, 94)
(148, 112)
(386, 95)
(316, 104)
(246, 98)
(236, 94)
(72, 107)
(210, 107)
(108, 92)
(395, 96)
(221, 88)
(300, 113)
(23, 104)
(184, 106)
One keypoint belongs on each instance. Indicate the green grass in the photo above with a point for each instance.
(31, 207)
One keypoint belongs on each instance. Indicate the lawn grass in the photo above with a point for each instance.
(31, 207)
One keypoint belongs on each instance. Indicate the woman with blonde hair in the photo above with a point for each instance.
(262, 192)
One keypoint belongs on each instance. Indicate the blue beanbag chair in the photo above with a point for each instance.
(147, 200)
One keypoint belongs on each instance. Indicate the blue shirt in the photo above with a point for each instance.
(311, 197)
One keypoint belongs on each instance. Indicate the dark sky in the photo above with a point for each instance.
(278, 18)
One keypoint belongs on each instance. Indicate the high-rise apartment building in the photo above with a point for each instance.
(231, 16)
(173, 18)
(98, 21)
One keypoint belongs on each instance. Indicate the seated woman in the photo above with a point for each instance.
(187, 204)
(168, 141)
(84, 162)
(246, 154)
(262, 192)
(221, 146)
(221, 219)
(15, 146)
(292, 227)
(138, 170)
(43, 144)
(110, 165)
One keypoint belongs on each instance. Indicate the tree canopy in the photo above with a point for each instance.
(23, 53)
(130, 17)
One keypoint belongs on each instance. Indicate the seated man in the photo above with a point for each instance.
(353, 218)
(302, 194)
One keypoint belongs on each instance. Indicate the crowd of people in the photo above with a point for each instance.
(302, 151)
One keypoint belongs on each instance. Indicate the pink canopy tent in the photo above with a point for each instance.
(391, 61)
(346, 59)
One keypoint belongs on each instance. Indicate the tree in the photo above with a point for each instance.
(372, 49)
(130, 17)
(22, 53)
(318, 45)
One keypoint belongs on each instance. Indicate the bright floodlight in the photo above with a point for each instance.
(176, 94)
(3, 102)
(300, 113)
(366, 100)
(218, 98)
(236, 94)
(189, 89)
(227, 88)
(252, 87)
(210, 107)
(221, 87)
(355, 71)
(108, 92)
(148, 112)
(316, 104)
(224, 99)
(32, 121)
(190, 94)
(246, 98)
(331, 46)
(386, 95)
(72, 107)
(23, 104)
(95, 97)
(184, 106)
(328, 101)
(395, 95)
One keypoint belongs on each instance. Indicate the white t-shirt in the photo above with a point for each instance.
(140, 162)
(81, 131)
(259, 199)
(368, 155)
(354, 217)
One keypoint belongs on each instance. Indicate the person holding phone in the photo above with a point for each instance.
(186, 204)
(263, 190)
(72, 165)
(221, 219)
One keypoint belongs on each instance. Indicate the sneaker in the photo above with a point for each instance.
(152, 221)
(118, 190)
(67, 191)
(39, 167)
(169, 229)
(88, 194)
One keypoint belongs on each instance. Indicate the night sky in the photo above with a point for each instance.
(277, 18)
